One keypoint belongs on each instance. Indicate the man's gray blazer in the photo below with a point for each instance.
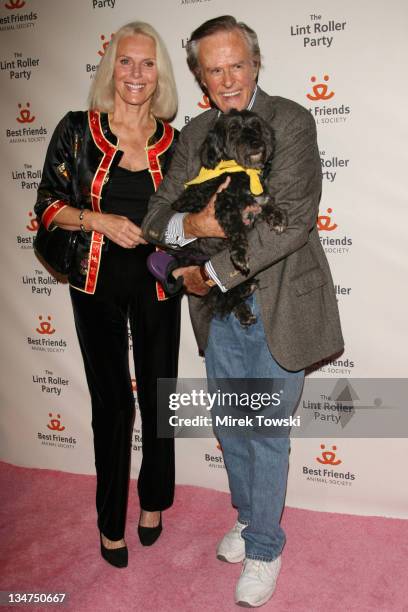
(296, 293)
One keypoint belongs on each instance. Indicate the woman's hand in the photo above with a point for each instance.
(119, 229)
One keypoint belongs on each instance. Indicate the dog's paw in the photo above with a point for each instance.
(280, 221)
(245, 315)
(240, 263)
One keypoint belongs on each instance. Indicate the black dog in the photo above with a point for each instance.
(240, 145)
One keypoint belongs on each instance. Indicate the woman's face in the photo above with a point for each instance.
(135, 73)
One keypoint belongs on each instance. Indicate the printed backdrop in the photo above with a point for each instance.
(344, 62)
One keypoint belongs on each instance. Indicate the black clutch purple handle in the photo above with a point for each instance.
(161, 265)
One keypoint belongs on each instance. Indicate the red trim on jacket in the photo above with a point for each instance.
(100, 178)
(157, 149)
(51, 211)
(94, 260)
(108, 150)
(153, 153)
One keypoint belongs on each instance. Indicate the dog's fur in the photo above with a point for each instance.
(246, 138)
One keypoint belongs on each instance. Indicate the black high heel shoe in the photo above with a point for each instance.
(118, 557)
(149, 535)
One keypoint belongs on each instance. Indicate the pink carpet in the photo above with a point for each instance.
(49, 543)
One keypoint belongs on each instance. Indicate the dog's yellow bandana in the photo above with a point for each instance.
(230, 165)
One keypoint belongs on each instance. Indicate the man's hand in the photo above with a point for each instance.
(193, 281)
(204, 224)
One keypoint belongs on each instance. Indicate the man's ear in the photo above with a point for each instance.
(257, 66)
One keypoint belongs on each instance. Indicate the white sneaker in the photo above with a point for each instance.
(232, 546)
(257, 582)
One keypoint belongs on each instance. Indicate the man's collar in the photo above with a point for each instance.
(252, 100)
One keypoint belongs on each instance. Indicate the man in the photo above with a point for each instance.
(297, 317)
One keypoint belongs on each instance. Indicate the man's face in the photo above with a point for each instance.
(227, 70)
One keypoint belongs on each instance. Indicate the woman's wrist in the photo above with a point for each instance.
(86, 220)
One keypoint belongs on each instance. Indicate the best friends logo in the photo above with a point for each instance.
(339, 245)
(91, 68)
(105, 44)
(33, 225)
(26, 133)
(325, 223)
(328, 457)
(327, 475)
(321, 92)
(45, 329)
(17, 20)
(205, 103)
(55, 423)
(55, 439)
(14, 4)
(25, 114)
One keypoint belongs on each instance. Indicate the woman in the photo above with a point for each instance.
(100, 170)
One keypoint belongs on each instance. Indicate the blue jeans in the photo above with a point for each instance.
(257, 464)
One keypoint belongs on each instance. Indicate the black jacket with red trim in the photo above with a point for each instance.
(82, 152)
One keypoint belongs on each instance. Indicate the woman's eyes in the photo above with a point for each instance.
(125, 61)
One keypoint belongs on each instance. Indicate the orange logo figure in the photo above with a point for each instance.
(324, 223)
(55, 424)
(105, 45)
(320, 90)
(45, 326)
(328, 456)
(205, 103)
(33, 227)
(15, 4)
(25, 114)
(134, 385)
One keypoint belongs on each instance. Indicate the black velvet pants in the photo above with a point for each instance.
(126, 292)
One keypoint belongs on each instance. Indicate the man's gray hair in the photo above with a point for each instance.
(226, 23)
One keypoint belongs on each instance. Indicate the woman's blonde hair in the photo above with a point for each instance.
(102, 92)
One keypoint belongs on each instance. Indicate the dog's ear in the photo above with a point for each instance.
(213, 147)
